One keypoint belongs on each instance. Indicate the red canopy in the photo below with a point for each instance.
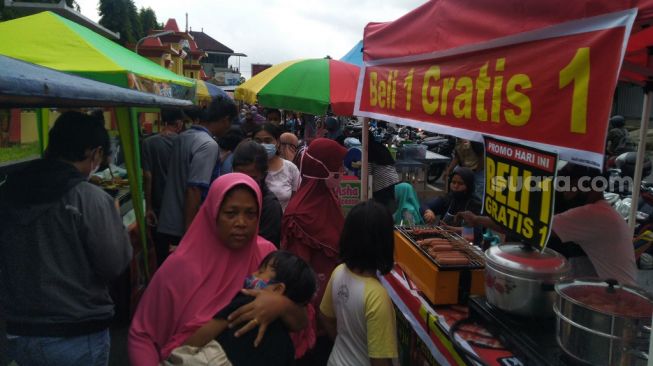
(444, 24)
(534, 57)
(494, 19)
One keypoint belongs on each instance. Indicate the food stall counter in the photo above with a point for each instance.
(424, 330)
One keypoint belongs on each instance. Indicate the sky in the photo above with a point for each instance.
(273, 31)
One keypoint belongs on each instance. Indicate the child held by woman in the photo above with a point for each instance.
(281, 272)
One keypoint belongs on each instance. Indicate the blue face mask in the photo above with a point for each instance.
(254, 283)
(271, 149)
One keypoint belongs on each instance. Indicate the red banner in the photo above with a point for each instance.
(552, 87)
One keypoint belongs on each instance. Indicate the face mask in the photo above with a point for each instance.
(271, 149)
(93, 169)
(332, 180)
(458, 195)
(254, 283)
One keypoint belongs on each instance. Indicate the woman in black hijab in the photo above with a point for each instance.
(459, 198)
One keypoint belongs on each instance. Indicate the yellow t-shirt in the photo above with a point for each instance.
(365, 318)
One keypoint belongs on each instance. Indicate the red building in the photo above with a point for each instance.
(177, 51)
(256, 68)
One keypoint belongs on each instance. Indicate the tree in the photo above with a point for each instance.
(121, 16)
(13, 13)
(148, 21)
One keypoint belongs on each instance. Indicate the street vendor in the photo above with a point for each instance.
(589, 221)
(468, 154)
(459, 197)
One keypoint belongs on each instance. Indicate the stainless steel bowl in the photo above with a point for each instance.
(602, 323)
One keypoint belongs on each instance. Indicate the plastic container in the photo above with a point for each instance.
(468, 232)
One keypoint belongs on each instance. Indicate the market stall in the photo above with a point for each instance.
(52, 41)
(49, 40)
(24, 85)
(473, 77)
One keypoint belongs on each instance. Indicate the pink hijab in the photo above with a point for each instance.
(195, 282)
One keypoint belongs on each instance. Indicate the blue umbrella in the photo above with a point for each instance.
(215, 90)
(355, 55)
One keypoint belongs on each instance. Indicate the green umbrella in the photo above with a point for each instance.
(310, 86)
(52, 41)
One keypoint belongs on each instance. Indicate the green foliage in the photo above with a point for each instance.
(121, 16)
(148, 21)
(13, 13)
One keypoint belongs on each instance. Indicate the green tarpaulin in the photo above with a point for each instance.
(50, 40)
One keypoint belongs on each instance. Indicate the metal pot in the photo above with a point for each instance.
(603, 323)
(520, 279)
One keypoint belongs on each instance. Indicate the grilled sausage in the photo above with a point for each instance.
(454, 260)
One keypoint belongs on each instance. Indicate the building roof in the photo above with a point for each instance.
(171, 25)
(152, 42)
(208, 44)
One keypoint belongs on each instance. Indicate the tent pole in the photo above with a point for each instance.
(129, 139)
(43, 124)
(365, 168)
(641, 150)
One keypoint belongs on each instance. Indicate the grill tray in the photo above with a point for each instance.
(476, 258)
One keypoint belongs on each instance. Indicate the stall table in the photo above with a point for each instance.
(424, 337)
(443, 317)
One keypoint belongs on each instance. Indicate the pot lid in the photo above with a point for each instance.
(607, 297)
(523, 259)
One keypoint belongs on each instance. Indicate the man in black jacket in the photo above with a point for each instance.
(62, 242)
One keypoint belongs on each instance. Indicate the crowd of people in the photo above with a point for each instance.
(236, 208)
(257, 265)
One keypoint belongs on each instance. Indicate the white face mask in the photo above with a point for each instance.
(96, 168)
(332, 180)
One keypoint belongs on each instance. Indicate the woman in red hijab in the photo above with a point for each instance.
(313, 220)
(201, 277)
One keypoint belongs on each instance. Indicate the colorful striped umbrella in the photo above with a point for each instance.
(205, 91)
(308, 86)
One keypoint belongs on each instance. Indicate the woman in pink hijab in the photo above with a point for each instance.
(219, 249)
